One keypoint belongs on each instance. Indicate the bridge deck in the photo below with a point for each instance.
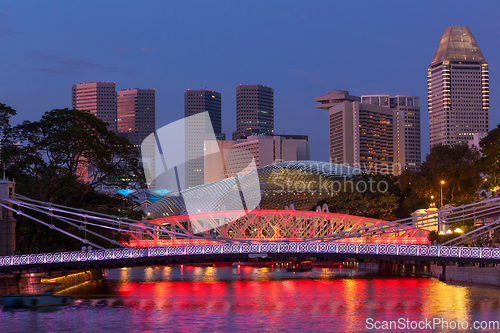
(168, 254)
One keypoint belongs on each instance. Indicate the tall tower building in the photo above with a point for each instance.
(458, 89)
(407, 127)
(99, 98)
(254, 111)
(136, 114)
(136, 120)
(196, 101)
(197, 131)
(361, 135)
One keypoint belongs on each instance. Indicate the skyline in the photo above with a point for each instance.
(299, 50)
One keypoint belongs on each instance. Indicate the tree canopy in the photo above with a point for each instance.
(489, 164)
(456, 166)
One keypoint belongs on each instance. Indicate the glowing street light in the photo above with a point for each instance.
(459, 231)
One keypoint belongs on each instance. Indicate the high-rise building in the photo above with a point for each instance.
(254, 111)
(225, 159)
(99, 98)
(360, 135)
(196, 101)
(407, 127)
(458, 89)
(136, 120)
(136, 114)
(197, 131)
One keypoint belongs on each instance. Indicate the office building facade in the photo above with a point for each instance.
(136, 120)
(254, 111)
(361, 135)
(99, 98)
(458, 89)
(136, 114)
(407, 127)
(197, 131)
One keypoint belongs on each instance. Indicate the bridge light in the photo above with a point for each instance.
(449, 231)
(459, 231)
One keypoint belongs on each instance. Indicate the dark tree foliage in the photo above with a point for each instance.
(378, 199)
(6, 112)
(45, 164)
(489, 164)
(457, 167)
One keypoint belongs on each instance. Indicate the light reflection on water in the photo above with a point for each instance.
(244, 298)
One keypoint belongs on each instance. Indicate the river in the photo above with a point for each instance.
(258, 299)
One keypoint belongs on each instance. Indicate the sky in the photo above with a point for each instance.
(301, 49)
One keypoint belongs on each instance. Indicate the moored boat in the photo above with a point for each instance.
(302, 266)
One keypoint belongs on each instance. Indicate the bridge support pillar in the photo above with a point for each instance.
(7, 221)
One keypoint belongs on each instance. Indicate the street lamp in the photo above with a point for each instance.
(442, 183)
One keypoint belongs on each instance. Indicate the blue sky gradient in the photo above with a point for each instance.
(300, 48)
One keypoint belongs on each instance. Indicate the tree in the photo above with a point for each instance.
(457, 167)
(6, 112)
(52, 149)
(489, 163)
(45, 166)
(380, 202)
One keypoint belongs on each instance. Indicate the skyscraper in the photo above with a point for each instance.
(406, 129)
(136, 120)
(136, 114)
(196, 101)
(99, 98)
(361, 135)
(197, 131)
(458, 89)
(254, 111)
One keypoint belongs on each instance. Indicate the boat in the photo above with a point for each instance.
(35, 300)
(255, 263)
(302, 266)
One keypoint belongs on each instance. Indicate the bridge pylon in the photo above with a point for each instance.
(7, 221)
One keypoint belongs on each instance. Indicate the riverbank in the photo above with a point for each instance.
(473, 274)
(33, 283)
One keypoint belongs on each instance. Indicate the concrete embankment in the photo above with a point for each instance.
(475, 274)
(32, 283)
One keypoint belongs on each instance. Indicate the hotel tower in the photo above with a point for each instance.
(458, 89)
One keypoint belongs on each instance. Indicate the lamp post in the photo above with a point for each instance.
(442, 183)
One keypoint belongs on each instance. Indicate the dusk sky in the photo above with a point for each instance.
(302, 49)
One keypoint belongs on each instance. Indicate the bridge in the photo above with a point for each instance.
(164, 255)
(275, 235)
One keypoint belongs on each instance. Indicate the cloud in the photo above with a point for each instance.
(309, 76)
(7, 28)
(143, 50)
(58, 64)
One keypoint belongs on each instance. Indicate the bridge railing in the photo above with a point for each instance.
(290, 248)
